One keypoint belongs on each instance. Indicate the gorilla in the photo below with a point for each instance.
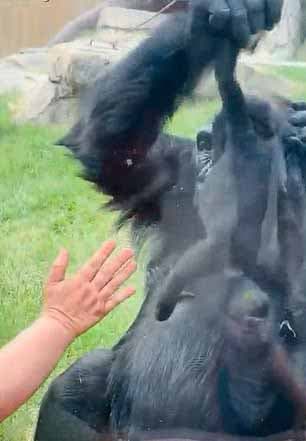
(258, 185)
(230, 358)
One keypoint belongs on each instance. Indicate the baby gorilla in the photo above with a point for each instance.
(251, 361)
(254, 192)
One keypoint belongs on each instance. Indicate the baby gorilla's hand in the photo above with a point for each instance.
(79, 302)
(298, 119)
(238, 19)
(294, 133)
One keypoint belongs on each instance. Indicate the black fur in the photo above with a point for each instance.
(253, 191)
(204, 369)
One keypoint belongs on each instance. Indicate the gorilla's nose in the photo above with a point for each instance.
(249, 327)
(251, 306)
(258, 306)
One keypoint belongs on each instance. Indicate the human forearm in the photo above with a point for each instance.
(22, 363)
(71, 306)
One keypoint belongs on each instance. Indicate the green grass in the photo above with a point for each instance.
(295, 74)
(44, 206)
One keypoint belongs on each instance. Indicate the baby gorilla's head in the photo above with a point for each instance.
(269, 117)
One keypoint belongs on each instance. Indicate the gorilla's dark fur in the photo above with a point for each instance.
(259, 186)
(219, 363)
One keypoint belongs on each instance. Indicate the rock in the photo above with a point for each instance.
(50, 81)
(128, 19)
(54, 97)
(254, 78)
(12, 79)
(22, 70)
(32, 60)
(283, 41)
(42, 103)
(77, 65)
(72, 68)
(73, 29)
(87, 21)
(44, 93)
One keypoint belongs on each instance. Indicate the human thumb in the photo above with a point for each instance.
(59, 267)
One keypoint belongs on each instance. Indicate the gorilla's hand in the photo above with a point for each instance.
(239, 19)
(294, 134)
(298, 119)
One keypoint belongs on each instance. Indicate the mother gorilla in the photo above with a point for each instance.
(184, 374)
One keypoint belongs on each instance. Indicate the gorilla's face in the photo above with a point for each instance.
(249, 319)
(254, 383)
(255, 321)
(252, 320)
(268, 118)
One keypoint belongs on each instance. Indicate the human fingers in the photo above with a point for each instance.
(120, 277)
(58, 269)
(118, 298)
(109, 269)
(92, 267)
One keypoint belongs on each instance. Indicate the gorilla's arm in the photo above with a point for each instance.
(118, 140)
(76, 406)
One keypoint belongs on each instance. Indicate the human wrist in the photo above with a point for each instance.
(57, 328)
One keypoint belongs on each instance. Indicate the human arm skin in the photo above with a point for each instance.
(71, 306)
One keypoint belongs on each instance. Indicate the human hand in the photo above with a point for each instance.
(238, 19)
(79, 302)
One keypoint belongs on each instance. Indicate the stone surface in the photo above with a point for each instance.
(49, 81)
(71, 68)
(42, 104)
(254, 78)
(128, 19)
(75, 66)
(283, 41)
(87, 21)
(22, 70)
(32, 60)
(68, 69)
(54, 97)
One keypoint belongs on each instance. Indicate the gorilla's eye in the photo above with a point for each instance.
(287, 332)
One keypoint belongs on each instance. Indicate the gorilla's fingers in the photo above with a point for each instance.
(219, 14)
(256, 15)
(239, 26)
(295, 143)
(303, 135)
(274, 12)
(298, 106)
(298, 119)
(238, 19)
